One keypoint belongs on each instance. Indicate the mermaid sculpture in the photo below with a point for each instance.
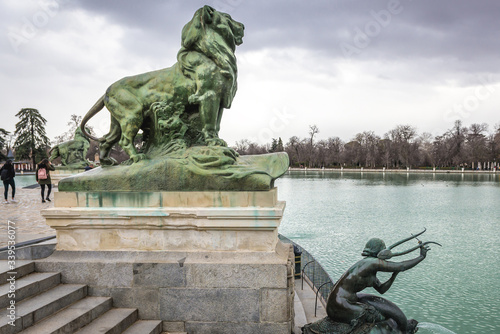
(350, 311)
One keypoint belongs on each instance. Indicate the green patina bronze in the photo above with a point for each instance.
(72, 152)
(180, 105)
(179, 109)
(350, 311)
(194, 169)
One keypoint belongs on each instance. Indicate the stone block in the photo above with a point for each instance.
(42, 251)
(91, 199)
(274, 305)
(252, 276)
(63, 199)
(173, 326)
(146, 300)
(160, 275)
(224, 305)
(194, 292)
(172, 229)
(220, 199)
(101, 274)
(191, 199)
(131, 199)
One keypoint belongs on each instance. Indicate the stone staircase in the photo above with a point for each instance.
(40, 304)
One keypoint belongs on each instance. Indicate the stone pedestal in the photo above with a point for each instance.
(61, 173)
(202, 262)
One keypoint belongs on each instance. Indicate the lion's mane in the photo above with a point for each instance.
(219, 50)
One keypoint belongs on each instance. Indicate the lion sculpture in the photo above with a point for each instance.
(72, 152)
(202, 82)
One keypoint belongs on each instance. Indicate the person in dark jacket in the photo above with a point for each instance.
(8, 174)
(45, 164)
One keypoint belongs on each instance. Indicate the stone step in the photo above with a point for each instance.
(33, 310)
(73, 317)
(22, 268)
(32, 252)
(115, 321)
(145, 327)
(28, 286)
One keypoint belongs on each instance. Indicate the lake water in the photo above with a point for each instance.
(24, 180)
(333, 215)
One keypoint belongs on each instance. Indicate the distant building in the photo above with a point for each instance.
(19, 165)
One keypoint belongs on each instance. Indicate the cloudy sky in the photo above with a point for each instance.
(346, 66)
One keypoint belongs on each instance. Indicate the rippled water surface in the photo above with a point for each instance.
(333, 215)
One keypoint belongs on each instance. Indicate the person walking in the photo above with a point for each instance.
(43, 178)
(8, 174)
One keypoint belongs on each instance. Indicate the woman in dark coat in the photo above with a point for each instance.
(8, 174)
(45, 164)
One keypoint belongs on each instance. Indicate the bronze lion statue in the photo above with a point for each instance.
(201, 83)
(72, 152)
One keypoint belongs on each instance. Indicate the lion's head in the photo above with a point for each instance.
(215, 35)
(207, 20)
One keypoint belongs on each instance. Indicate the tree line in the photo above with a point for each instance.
(30, 142)
(401, 147)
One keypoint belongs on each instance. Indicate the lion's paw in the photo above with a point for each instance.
(216, 142)
(138, 157)
(108, 162)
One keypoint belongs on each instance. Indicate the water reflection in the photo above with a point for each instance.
(23, 180)
(399, 178)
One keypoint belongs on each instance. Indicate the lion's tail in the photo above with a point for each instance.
(91, 113)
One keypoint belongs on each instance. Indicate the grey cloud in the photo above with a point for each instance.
(427, 41)
(465, 30)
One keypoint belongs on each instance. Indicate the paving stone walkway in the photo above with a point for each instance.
(25, 214)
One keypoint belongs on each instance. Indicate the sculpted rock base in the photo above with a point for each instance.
(197, 168)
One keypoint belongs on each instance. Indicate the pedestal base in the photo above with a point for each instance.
(194, 292)
(177, 221)
(202, 262)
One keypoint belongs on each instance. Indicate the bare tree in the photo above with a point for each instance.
(352, 153)
(400, 147)
(457, 136)
(368, 150)
(335, 148)
(313, 130)
(477, 143)
(403, 145)
(293, 150)
(73, 124)
(426, 148)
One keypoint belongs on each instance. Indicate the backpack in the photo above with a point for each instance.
(42, 174)
(5, 174)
